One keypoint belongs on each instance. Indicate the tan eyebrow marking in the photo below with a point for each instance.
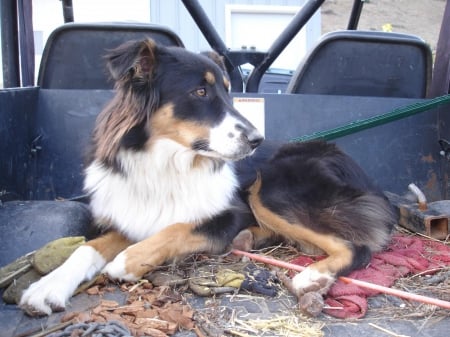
(210, 78)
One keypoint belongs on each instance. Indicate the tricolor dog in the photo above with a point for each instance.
(170, 173)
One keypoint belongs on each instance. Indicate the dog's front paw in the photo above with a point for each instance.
(52, 291)
(45, 296)
(311, 280)
(121, 269)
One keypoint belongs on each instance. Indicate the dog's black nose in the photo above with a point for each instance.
(250, 135)
(255, 139)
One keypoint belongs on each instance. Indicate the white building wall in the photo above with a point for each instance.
(48, 14)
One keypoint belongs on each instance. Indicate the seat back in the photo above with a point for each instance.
(365, 63)
(73, 55)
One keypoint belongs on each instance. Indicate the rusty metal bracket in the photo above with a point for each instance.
(433, 220)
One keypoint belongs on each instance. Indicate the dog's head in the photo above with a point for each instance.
(171, 93)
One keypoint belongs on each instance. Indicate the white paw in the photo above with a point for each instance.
(116, 269)
(52, 291)
(312, 280)
(46, 295)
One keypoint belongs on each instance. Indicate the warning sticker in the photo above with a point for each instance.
(252, 108)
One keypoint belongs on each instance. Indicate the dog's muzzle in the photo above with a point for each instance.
(234, 138)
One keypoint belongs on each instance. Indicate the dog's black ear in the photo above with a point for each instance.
(218, 59)
(133, 58)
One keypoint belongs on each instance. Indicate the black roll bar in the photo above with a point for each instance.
(206, 27)
(17, 29)
(10, 44)
(215, 41)
(26, 42)
(67, 7)
(260, 60)
(355, 14)
(297, 23)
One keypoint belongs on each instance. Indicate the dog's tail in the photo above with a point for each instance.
(366, 220)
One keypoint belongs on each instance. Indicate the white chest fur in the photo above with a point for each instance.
(158, 188)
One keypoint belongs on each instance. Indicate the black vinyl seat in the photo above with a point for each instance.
(365, 63)
(73, 55)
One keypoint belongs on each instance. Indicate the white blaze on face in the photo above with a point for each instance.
(230, 138)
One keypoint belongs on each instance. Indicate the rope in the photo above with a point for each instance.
(368, 123)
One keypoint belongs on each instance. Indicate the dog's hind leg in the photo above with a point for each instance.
(343, 256)
(52, 291)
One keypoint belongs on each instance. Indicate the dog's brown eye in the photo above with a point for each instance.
(201, 92)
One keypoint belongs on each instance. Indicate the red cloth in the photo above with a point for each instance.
(404, 255)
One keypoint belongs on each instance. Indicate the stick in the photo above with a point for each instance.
(386, 331)
(362, 284)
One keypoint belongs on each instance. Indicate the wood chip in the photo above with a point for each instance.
(144, 331)
(149, 311)
(109, 304)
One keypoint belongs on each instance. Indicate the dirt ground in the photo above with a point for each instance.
(418, 17)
